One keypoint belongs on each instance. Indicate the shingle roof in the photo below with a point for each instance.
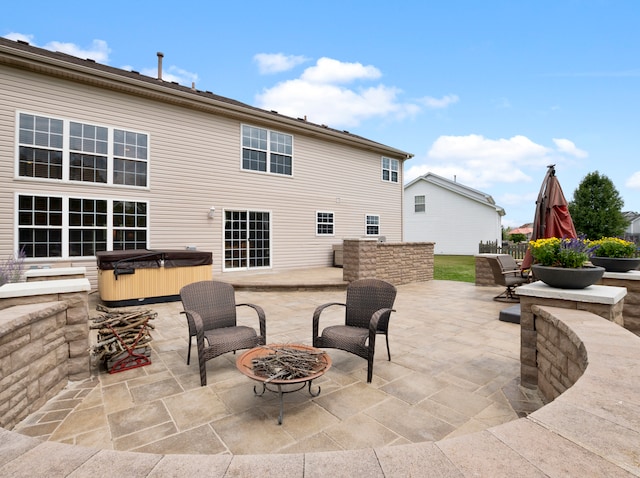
(12, 51)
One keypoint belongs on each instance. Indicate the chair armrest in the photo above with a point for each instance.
(375, 318)
(318, 311)
(261, 318)
(195, 322)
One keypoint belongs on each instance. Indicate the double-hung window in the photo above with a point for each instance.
(419, 204)
(63, 227)
(66, 150)
(390, 168)
(372, 225)
(267, 151)
(324, 223)
(41, 147)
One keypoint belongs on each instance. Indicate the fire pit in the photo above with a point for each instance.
(281, 365)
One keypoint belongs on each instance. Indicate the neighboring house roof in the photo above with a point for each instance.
(630, 216)
(458, 188)
(20, 54)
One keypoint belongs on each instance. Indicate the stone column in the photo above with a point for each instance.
(359, 259)
(631, 311)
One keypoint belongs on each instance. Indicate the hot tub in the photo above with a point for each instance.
(136, 277)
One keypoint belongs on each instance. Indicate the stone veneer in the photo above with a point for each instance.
(604, 301)
(592, 429)
(631, 310)
(394, 262)
(44, 343)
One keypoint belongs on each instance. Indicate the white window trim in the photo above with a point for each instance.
(333, 223)
(65, 222)
(268, 171)
(423, 204)
(366, 225)
(390, 169)
(223, 242)
(66, 154)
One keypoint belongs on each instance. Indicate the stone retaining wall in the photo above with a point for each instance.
(44, 343)
(34, 354)
(395, 262)
(592, 429)
(561, 356)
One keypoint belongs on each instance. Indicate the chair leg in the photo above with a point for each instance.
(388, 350)
(189, 350)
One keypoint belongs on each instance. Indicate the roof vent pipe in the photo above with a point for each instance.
(160, 56)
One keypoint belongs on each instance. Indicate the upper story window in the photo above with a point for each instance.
(390, 168)
(419, 204)
(41, 143)
(267, 151)
(67, 150)
(51, 226)
(372, 225)
(324, 223)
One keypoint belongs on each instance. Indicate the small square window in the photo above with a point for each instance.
(324, 223)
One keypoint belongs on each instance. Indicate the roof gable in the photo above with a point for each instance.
(457, 188)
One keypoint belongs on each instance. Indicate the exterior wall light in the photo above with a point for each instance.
(212, 211)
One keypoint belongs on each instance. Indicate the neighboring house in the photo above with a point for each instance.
(632, 232)
(97, 158)
(454, 216)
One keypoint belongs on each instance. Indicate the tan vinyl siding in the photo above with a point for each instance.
(195, 163)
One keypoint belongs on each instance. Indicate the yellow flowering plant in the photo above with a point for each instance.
(613, 247)
(567, 252)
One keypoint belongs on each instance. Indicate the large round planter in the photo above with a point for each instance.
(564, 278)
(617, 264)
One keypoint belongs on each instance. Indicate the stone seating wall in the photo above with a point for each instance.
(591, 429)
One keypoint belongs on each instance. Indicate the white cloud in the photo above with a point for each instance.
(320, 94)
(568, 147)
(634, 181)
(98, 51)
(19, 37)
(328, 70)
(438, 103)
(269, 63)
(479, 162)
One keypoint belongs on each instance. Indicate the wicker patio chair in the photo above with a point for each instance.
(507, 273)
(210, 308)
(367, 311)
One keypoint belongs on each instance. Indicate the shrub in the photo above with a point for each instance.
(571, 253)
(613, 247)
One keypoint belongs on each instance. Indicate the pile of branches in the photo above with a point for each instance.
(287, 363)
(121, 332)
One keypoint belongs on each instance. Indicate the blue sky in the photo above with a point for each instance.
(489, 92)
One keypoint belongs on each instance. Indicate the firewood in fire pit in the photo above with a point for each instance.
(287, 363)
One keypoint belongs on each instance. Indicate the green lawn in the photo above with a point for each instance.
(458, 268)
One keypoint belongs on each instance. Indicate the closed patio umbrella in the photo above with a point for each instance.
(552, 218)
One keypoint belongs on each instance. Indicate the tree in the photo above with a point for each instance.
(517, 238)
(596, 208)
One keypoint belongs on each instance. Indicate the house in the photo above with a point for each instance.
(454, 216)
(97, 158)
(632, 233)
